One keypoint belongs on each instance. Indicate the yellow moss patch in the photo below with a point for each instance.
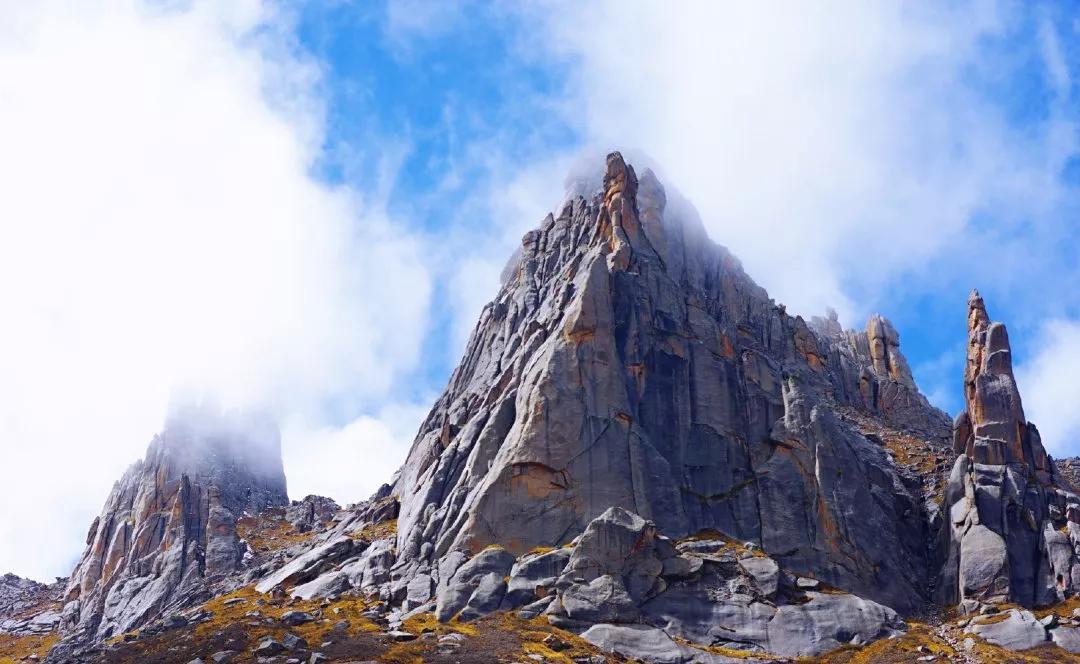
(14, 649)
(734, 653)
(377, 531)
(270, 532)
(533, 632)
(730, 543)
(904, 648)
(426, 622)
(1048, 654)
(1062, 610)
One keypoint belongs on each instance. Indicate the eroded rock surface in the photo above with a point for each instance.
(629, 361)
(170, 522)
(29, 607)
(642, 448)
(1013, 530)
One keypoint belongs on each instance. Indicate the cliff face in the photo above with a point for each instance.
(170, 522)
(1013, 532)
(629, 361)
(640, 447)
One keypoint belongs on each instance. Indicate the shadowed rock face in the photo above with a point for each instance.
(1013, 529)
(170, 522)
(629, 361)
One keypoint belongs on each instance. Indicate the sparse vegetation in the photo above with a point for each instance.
(16, 649)
(270, 532)
(377, 531)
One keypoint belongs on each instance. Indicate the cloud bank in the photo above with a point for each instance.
(834, 147)
(160, 231)
(1048, 384)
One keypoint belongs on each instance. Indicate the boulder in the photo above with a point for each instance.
(294, 618)
(293, 642)
(477, 587)
(1014, 629)
(309, 565)
(534, 575)
(828, 621)
(1066, 638)
(331, 583)
(269, 647)
(649, 644)
(764, 571)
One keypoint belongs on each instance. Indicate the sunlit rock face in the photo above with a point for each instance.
(1013, 531)
(170, 522)
(629, 361)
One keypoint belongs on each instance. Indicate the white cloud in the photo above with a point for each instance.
(836, 148)
(341, 462)
(1047, 382)
(159, 228)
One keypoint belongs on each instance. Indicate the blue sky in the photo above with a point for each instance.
(302, 206)
(449, 78)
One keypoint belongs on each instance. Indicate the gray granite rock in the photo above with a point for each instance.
(534, 574)
(1011, 535)
(1019, 630)
(1067, 638)
(764, 571)
(477, 587)
(629, 361)
(828, 621)
(311, 564)
(170, 522)
(649, 644)
(325, 585)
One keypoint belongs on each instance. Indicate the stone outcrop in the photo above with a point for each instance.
(640, 447)
(169, 525)
(1013, 530)
(629, 361)
(311, 512)
(28, 607)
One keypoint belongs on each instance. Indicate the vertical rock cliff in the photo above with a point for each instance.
(629, 361)
(170, 522)
(1013, 531)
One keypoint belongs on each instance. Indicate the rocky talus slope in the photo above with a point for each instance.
(641, 456)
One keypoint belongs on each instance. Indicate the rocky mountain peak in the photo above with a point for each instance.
(639, 447)
(1012, 535)
(629, 361)
(170, 521)
(992, 429)
(885, 352)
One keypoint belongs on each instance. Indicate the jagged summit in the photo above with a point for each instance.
(170, 521)
(992, 429)
(1012, 536)
(640, 453)
(628, 360)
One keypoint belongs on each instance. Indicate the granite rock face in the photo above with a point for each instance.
(629, 361)
(641, 447)
(1013, 531)
(169, 524)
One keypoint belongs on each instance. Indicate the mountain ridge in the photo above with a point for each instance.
(640, 455)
